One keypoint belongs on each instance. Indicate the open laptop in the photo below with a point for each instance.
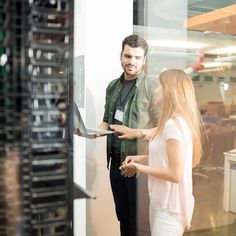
(81, 130)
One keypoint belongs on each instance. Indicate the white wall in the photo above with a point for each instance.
(99, 28)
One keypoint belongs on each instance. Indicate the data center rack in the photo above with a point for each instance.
(10, 116)
(37, 39)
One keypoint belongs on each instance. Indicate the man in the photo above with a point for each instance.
(129, 102)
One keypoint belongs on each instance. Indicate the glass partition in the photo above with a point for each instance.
(176, 32)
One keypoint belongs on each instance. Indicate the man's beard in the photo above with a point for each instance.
(133, 72)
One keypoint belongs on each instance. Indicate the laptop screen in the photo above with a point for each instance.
(78, 121)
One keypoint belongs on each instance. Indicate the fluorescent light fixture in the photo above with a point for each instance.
(171, 53)
(176, 44)
(225, 59)
(226, 50)
(216, 69)
(215, 64)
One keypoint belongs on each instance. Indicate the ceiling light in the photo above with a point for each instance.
(225, 59)
(221, 51)
(176, 54)
(215, 64)
(220, 69)
(176, 44)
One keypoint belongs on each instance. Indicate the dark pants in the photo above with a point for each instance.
(124, 194)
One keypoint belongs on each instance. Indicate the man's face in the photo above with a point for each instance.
(132, 61)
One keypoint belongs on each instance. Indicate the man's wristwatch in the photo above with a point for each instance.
(141, 134)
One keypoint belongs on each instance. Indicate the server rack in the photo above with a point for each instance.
(36, 43)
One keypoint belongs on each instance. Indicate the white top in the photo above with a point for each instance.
(177, 198)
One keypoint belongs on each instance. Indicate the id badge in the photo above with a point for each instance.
(119, 115)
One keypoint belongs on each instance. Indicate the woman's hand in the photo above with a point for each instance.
(128, 168)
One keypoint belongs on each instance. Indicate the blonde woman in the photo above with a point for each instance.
(174, 148)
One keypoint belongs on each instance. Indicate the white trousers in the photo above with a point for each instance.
(163, 223)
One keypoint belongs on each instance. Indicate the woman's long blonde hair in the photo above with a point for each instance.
(178, 99)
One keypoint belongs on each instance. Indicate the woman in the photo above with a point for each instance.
(174, 148)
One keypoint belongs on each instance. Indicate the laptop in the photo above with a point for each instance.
(81, 130)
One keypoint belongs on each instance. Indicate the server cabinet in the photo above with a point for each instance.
(36, 49)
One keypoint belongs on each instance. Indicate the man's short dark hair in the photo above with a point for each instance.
(135, 41)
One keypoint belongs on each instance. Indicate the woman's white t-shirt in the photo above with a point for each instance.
(177, 198)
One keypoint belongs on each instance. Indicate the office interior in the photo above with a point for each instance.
(56, 53)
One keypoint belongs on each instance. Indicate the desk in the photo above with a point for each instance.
(230, 158)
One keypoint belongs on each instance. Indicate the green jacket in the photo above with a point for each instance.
(139, 112)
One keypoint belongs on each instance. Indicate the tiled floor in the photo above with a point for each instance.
(209, 217)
